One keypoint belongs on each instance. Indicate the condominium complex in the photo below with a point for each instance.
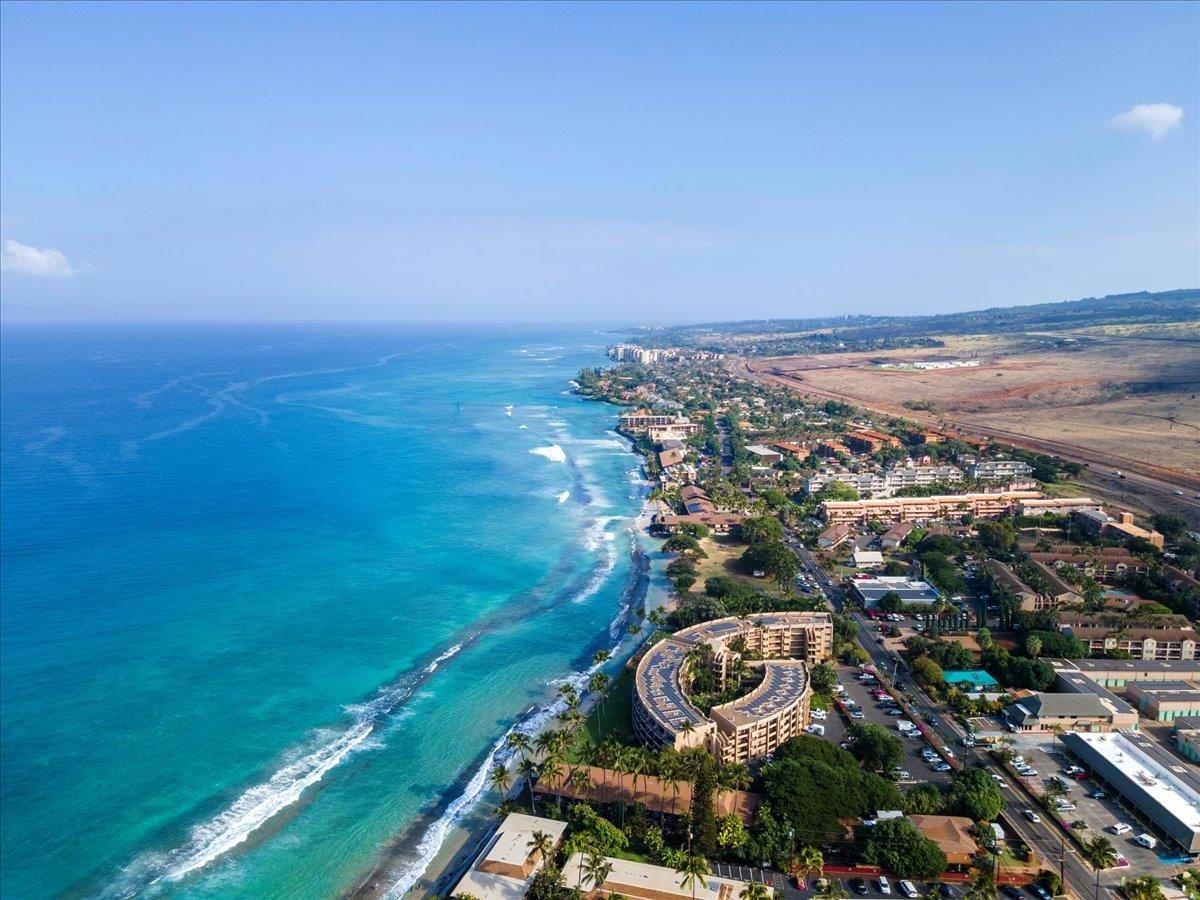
(641, 420)
(747, 728)
(911, 509)
(885, 482)
(1100, 524)
(998, 469)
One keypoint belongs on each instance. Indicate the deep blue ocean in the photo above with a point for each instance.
(270, 597)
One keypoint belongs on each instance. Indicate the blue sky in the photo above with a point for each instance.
(592, 162)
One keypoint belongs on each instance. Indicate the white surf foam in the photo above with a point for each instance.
(554, 453)
(562, 498)
(522, 426)
(508, 410)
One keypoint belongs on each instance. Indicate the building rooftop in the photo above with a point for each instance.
(1151, 772)
(910, 591)
(783, 684)
(505, 867)
(643, 880)
(1178, 691)
(1133, 666)
(1081, 705)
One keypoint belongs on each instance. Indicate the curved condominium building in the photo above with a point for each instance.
(747, 728)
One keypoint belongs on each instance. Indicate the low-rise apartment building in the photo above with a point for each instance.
(1042, 712)
(1100, 524)
(1004, 581)
(1056, 506)
(913, 509)
(999, 469)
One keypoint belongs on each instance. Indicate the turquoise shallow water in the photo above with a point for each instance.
(270, 596)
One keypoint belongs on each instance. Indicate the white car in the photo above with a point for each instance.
(819, 714)
(1000, 782)
(902, 775)
(816, 729)
(908, 889)
(1119, 828)
(1146, 840)
(885, 886)
(1032, 816)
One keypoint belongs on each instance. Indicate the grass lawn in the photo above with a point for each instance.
(613, 720)
(1064, 489)
(723, 552)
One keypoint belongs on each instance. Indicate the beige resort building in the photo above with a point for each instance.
(747, 728)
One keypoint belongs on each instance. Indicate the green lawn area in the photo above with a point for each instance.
(1064, 489)
(612, 720)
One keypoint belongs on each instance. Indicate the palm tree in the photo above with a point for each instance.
(580, 781)
(518, 742)
(754, 890)
(600, 657)
(1145, 888)
(639, 764)
(809, 860)
(622, 758)
(529, 771)
(832, 890)
(669, 775)
(505, 809)
(1100, 855)
(733, 777)
(596, 870)
(687, 729)
(553, 772)
(541, 844)
(500, 780)
(694, 870)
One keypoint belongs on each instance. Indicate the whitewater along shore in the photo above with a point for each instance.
(447, 838)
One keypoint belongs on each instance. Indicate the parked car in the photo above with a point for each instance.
(1031, 815)
(816, 729)
(943, 767)
(885, 886)
(1065, 806)
(1146, 840)
(1011, 891)
(902, 775)
(1097, 795)
(858, 885)
(1072, 771)
(858, 714)
(908, 889)
(1120, 828)
(1040, 892)
(946, 890)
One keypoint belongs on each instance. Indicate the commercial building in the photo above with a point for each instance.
(747, 728)
(1187, 738)
(643, 881)
(1165, 701)
(999, 469)
(1041, 712)
(867, 559)
(766, 456)
(1163, 790)
(870, 591)
(914, 509)
(1116, 673)
(1100, 524)
(505, 867)
(788, 448)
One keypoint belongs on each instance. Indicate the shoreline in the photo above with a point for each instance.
(466, 834)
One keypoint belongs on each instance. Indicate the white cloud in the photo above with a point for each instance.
(42, 261)
(1156, 119)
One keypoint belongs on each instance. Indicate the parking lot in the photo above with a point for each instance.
(836, 726)
(1097, 814)
(787, 886)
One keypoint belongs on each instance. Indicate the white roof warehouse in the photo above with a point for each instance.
(1160, 786)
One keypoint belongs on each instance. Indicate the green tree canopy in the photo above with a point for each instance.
(976, 795)
(761, 530)
(897, 845)
(874, 747)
